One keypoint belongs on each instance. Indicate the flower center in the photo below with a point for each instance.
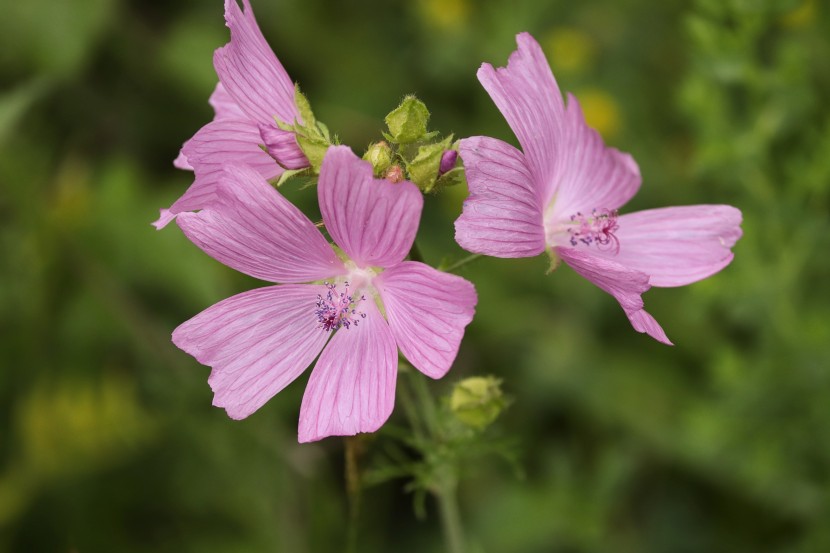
(337, 308)
(597, 228)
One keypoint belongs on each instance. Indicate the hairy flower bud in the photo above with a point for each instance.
(408, 122)
(380, 156)
(477, 401)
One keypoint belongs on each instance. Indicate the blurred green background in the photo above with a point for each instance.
(108, 441)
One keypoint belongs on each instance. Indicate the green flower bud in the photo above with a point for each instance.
(477, 401)
(408, 122)
(380, 156)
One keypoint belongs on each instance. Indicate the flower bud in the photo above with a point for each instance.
(448, 160)
(408, 122)
(477, 401)
(394, 174)
(380, 156)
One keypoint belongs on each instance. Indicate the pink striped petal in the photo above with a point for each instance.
(282, 145)
(373, 220)
(527, 95)
(352, 386)
(256, 342)
(251, 227)
(589, 174)
(502, 216)
(250, 72)
(181, 162)
(427, 311)
(216, 144)
(626, 285)
(676, 246)
(224, 106)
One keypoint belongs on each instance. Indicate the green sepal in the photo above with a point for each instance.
(555, 260)
(314, 146)
(288, 174)
(408, 122)
(453, 177)
(304, 108)
(423, 169)
(283, 126)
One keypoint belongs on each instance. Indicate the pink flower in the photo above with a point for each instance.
(370, 302)
(253, 89)
(562, 193)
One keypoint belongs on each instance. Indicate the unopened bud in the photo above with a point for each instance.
(477, 401)
(448, 160)
(408, 122)
(380, 156)
(394, 174)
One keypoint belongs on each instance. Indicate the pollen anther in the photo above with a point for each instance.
(337, 309)
(597, 228)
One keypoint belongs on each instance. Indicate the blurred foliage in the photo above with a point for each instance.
(108, 441)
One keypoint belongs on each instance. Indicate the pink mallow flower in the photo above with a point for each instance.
(562, 193)
(253, 89)
(365, 305)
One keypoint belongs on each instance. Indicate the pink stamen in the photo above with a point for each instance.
(598, 228)
(336, 309)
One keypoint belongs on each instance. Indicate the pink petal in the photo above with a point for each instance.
(427, 311)
(250, 72)
(251, 227)
(181, 162)
(352, 387)
(373, 220)
(256, 342)
(502, 216)
(527, 95)
(224, 106)
(216, 144)
(589, 174)
(282, 146)
(676, 246)
(626, 285)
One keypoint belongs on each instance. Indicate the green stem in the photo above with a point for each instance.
(353, 488)
(460, 263)
(450, 514)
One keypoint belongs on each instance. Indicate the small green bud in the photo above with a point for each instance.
(425, 167)
(380, 156)
(477, 401)
(408, 122)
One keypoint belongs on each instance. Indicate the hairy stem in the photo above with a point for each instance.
(450, 514)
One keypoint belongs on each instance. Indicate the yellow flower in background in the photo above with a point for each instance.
(445, 13)
(802, 16)
(569, 49)
(601, 111)
(73, 426)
